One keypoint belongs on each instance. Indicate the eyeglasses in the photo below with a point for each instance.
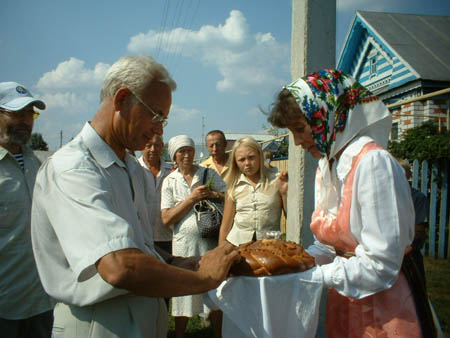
(20, 113)
(156, 117)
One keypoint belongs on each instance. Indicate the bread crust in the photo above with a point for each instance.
(271, 257)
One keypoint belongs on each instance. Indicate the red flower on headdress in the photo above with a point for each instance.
(318, 121)
(318, 82)
(351, 97)
(335, 73)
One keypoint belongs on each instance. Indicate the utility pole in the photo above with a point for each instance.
(60, 138)
(313, 48)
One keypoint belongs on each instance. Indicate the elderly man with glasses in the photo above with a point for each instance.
(88, 207)
(25, 308)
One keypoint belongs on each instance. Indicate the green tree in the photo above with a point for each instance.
(424, 142)
(37, 142)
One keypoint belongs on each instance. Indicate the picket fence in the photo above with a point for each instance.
(432, 180)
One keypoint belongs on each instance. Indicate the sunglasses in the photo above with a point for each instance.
(156, 117)
(20, 113)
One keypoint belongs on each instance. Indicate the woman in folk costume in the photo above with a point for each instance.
(364, 217)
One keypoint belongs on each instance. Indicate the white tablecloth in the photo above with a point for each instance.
(276, 307)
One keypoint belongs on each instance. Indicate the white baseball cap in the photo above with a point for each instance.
(14, 97)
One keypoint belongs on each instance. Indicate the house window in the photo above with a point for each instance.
(373, 66)
(394, 131)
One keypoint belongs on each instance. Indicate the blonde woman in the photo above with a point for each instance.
(255, 195)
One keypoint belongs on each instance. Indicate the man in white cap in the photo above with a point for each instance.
(25, 308)
(90, 248)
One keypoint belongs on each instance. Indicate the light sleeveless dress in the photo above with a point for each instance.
(390, 313)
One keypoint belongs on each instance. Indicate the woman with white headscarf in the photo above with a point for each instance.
(180, 190)
(364, 218)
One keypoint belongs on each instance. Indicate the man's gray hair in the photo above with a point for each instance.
(135, 73)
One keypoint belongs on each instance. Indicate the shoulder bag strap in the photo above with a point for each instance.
(205, 174)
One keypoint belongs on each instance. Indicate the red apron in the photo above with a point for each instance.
(390, 313)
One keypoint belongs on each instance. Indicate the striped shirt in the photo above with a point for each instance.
(19, 158)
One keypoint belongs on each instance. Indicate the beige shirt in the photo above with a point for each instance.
(209, 163)
(21, 292)
(88, 203)
(257, 210)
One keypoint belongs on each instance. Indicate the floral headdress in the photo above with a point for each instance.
(338, 109)
(328, 99)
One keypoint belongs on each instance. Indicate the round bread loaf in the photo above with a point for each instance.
(271, 257)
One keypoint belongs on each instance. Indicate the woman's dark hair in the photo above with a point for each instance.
(284, 110)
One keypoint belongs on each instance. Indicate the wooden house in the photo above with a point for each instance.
(402, 57)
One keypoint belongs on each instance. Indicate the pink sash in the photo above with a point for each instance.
(390, 313)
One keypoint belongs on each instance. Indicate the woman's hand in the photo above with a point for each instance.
(200, 193)
(282, 183)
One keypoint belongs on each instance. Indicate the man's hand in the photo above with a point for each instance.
(215, 264)
(190, 263)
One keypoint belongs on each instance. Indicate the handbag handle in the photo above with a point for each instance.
(205, 175)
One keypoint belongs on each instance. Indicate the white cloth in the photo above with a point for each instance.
(21, 293)
(83, 209)
(270, 307)
(186, 238)
(382, 235)
(257, 209)
(153, 202)
(178, 142)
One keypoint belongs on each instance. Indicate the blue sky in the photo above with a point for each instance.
(228, 57)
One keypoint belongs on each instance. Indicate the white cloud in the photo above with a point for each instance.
(71, 92)
(72, 74)
(180, 114)
(247, 63)
(70, 102)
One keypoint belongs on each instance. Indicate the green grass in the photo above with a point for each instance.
(195, 329)
(438, 283)
(438, 277)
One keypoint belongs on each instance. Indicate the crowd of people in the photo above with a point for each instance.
(94, 242)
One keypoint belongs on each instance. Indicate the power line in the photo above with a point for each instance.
(162, 27)
(169, 37)
(187, 29)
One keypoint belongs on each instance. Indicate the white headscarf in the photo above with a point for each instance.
(177, 142)
(338, 109)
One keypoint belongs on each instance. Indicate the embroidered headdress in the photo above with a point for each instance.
(338, 109)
